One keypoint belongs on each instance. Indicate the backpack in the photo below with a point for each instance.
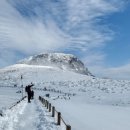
(26, 89)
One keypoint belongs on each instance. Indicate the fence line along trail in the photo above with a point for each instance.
(28, 116)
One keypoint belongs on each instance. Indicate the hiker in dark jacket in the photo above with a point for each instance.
(28, 90)
(32, 94)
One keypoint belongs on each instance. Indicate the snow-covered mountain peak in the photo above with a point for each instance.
(63, 61)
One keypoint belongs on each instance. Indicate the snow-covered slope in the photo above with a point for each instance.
(86, 102)
(38, 74)
(103, 91)
(60, 60)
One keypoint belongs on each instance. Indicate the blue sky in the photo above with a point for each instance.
(96, 31)
(118, 49)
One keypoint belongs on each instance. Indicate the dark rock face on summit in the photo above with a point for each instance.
(63, 61)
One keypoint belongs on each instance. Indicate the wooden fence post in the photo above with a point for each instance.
(47, 104)
(53, 111)
(68, 127)
(44, 101)
(39, 97)
(49, 107)
(58, 118)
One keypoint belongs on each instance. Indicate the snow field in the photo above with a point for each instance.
(88, 116)
(28, 116)
(8, 96)
(86, 103)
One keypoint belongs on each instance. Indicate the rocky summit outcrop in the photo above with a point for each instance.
(63, 61)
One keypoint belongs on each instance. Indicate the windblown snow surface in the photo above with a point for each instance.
(85, 102)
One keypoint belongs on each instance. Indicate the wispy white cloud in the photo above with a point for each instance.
(121, 72)
(31, 27)
(27, 36)
(94, 59)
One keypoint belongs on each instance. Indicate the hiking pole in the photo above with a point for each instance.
(22, 85)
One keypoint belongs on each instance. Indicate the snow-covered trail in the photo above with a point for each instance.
(28, 116)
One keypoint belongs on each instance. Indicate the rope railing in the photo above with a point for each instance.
(55, 91)
(17, 102)
(53, 112)
(1, 114)
(42, 89)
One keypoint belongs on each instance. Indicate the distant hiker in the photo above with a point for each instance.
(1, 114)
(47, 95)
(28, 90)
(45, 88)
(15, 85)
